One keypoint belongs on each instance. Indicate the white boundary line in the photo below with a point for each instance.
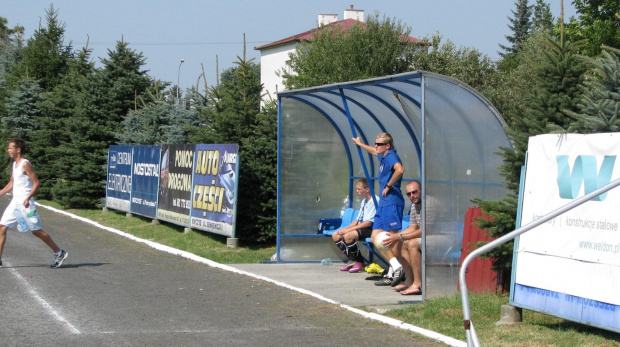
(374, 316)
(42, 302)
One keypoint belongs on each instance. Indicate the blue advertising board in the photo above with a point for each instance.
(118, 187)
(145, 180)
(175, 184)
(214, 195)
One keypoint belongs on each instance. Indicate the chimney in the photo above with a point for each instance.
(352, 13)
(327, 18)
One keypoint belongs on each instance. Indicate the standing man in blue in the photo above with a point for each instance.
(390, 212)
(24, 184)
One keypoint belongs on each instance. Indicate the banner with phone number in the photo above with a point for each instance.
(215, 188)
(190, 185)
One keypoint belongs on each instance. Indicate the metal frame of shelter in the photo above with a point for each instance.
(445, 132)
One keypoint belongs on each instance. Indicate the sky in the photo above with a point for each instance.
(198, 31)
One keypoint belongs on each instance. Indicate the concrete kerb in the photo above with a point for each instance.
(370, 315)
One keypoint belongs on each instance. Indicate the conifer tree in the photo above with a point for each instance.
(46, 57)
(555, 90)
(10, 44)
(542, 19)
(599, 107)
(159, 123)
(105, 100)
(23, 109)
(234, 116)
(63, 104)
(520, 26)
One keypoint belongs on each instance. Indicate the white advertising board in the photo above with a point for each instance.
(570, 266)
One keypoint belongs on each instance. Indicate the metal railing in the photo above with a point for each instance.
(470, 331)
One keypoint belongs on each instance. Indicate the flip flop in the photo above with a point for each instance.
(399, 289)
(417, 292)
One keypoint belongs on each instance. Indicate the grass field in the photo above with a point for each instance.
(441, 315)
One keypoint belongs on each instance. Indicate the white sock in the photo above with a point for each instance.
(394, 263)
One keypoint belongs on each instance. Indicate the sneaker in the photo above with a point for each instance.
(385, 281)
(0, 264)
(347, 266)
(357, 267)
(399, 276)
(374, 268)
(59, 258)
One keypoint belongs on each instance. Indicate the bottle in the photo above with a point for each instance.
(345, 205)
(326, 261)
(22, 226)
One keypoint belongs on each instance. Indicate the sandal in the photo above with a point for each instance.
(410, 292)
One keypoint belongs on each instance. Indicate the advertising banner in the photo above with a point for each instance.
(145, 180)
(570, 266)
(215, 188)
(175, 183)
(118, 187)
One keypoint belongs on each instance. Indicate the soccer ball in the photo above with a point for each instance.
(378, 241)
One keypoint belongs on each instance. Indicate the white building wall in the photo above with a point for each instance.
(352, 13)
(273, 60)
(327, 18)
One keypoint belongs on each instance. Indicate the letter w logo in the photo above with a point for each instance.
(584, 171)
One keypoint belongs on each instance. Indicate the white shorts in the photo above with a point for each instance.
(9, 219)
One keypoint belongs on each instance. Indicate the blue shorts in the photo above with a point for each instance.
(388, 218)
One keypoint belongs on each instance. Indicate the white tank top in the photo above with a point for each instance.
(22, 185)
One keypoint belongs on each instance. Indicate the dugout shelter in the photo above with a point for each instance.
(445, 132)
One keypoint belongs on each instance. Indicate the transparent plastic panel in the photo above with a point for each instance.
(394, 121)
(462, 135)
(314, 169)
(312, 249)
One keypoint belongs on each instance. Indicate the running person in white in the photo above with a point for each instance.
(24, 184)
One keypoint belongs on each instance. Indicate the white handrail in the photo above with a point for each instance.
(470, 331)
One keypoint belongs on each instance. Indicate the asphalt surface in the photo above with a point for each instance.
(112, 290)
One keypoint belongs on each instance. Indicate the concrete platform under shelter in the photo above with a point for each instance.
(328, 281)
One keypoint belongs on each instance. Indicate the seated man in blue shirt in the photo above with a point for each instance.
(361, 228)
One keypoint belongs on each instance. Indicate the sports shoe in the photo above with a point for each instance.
(399, 276)
(0, 263)
(357, 267)
(59, 258)
(374, 268)
(347, 266)
(385, 281)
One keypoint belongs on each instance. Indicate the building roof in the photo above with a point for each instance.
(343, 25)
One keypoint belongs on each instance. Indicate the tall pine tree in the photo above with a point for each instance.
(555, 89)
(105, 100)
(234, 116)
(520, 25)
(46, 57)
(23, 110)
(542, 19)
(159, 123)
(63, 104)
(599, 107)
